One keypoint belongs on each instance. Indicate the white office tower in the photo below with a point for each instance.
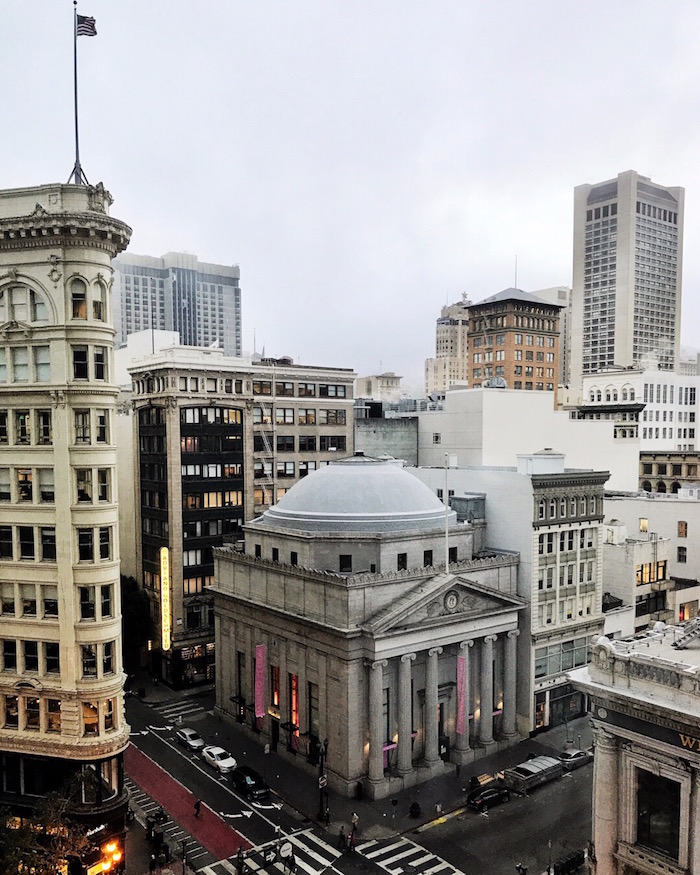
(62, 722)
(627, 274)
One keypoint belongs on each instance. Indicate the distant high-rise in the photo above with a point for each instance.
(451, 363)
(628, 253)
(202, 302)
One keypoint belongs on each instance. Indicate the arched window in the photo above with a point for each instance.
(661, 486)
(572, 507)
(646, 486)
(562, 507)
(614, 394)
(542, 509)
(78, 293)
(99, 302)
(592, 395)
(675, 487)
(624, 394)
(582, 506)
(22, 304)
(591, 505)
(552, 508)
(599, 396)
(631, 394)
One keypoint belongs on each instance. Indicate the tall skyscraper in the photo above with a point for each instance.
(451, 363)
(177, 292)
(62, 722)
(627, 272)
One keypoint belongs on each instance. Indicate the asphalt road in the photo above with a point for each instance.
(518, 831)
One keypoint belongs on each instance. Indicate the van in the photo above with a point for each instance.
(532, 773)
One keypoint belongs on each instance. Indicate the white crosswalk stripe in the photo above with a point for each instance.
(312, 855)
(404, 857)
(172, 711)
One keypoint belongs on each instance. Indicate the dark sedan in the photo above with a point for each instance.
(487, 797)
(249, 783)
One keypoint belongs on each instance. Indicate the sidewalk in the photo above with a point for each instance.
(298, 785)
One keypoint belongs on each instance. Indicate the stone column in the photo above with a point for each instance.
(462, 741)
(509, 683)
(376, 742)
(405, 714)
(432, 752)
(694, 823)
(605, 802)
(486, 707)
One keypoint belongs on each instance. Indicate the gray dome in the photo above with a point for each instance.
(358, 494)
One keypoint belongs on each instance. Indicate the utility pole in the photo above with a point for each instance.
(184, 858)
(322, 779)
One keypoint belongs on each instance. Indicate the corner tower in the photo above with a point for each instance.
(62, 723)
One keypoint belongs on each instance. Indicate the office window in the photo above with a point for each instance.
(345, 563)
(20, 364)
(108, 713)
(87, 603)
(85, 541)
(24, 484)
(9, 655)
(52, 658)
(89, 660)
(108, 657)
(27, 595)
(102, 426)
(5, 489)
(100, 362)
(427, 558)
(53, 715)
(11, 712)
(91, 721)
(82, 426)
(80, 363)
(43, 427)
(105, 542)
(682, 529)
(83, 477)
(682, 554)
(79, 299)
(46, 485)
(99, 305)
(31, 655)
(5, 542)
(50, 596)
(658, 813)
(106, 601)
(402, 561)
(48, 544)
(26, 542)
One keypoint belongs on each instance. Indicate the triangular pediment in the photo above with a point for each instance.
(14, 327)
(443, 598)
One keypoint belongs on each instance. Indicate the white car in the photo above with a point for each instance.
(220, 759)
(189, 738)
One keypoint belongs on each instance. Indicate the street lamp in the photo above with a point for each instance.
(322, 779)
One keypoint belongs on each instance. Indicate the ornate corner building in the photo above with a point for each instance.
(62, 722)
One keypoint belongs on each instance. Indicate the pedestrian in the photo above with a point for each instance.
(292, 863)
(352, 841)
(355, 819)
(161, 860)
(327, 816)
(240, 864)
(166, 851)
(152, 863)
(197, 807)
(341, 839)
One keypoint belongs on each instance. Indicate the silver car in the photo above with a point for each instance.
(219, 758)
(189, 738)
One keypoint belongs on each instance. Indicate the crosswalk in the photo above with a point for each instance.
(173, 834)
(311, 854)
(401, 856)
(180, 711)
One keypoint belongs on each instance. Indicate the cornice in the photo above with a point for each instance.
(43, 231)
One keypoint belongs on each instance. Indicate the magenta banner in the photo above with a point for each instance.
(260, 672)
(461, 694)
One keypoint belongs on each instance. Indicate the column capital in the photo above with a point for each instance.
(408, 657)
(435, 651)
(513, 633)
(374, 664)
(489, 639)
(604, 741)
(465, 645)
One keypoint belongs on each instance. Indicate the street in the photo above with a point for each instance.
(519, 831)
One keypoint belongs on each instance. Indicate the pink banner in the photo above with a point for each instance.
(461, 690)
(260, 672)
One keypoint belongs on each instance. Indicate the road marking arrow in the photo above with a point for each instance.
(276, 805)
(242, 814)
(142, 732)
(160, 728)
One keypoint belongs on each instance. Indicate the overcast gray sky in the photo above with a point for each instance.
(363, 162)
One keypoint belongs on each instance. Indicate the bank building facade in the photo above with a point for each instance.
(364, 628)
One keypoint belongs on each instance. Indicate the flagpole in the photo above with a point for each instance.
(77, 176)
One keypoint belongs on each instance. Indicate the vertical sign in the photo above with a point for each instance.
(165, 622)
(260, 671)
(461, 694)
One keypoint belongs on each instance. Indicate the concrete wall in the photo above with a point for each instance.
(397, 437)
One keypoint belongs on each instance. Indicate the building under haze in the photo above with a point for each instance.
(627, 272)
(451, 363)
(202, 302)
(62, 722)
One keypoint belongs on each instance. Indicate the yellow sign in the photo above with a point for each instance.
(165, 622)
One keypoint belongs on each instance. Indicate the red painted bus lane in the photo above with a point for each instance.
(210, 830)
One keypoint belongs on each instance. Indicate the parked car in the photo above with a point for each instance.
(532, 773)
(574, 758)
(249, 783)
(486, 797)
(219, 758)
(189, 738)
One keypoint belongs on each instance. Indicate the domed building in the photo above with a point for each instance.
(363, 622)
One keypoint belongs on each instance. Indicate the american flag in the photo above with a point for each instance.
(86, 26)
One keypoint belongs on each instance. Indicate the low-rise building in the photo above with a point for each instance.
(645, 711)
(363, 624)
